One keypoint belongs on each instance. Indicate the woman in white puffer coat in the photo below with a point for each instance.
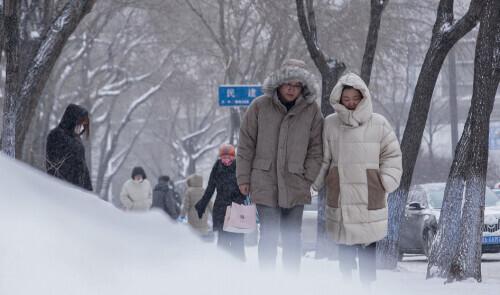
(136, 194)
(361, 165)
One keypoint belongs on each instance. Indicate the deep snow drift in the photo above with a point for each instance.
(57, 239)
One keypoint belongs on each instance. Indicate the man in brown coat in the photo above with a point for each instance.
(279, 156)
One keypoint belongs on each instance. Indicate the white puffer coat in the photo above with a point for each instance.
(136, 196)
(361, 164)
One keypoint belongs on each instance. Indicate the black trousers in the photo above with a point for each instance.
(234, 243)
(288, 223)
(367, 259)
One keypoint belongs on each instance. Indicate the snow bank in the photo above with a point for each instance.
(57, 239)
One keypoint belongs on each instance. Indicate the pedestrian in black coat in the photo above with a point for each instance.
(65, 153)
(165, 197)
(223, 179)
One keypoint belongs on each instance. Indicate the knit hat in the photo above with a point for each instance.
(227, 150)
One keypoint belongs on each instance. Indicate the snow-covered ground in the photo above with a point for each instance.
(57, 239)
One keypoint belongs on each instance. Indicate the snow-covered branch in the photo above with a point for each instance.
(212, 145)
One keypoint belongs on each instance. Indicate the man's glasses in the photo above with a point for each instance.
(293, 86)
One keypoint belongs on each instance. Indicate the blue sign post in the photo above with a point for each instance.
(238, 95)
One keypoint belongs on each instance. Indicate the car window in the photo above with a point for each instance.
(490, 199)
(436, 198)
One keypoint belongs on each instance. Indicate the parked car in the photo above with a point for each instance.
(497, 192)
(422, 215)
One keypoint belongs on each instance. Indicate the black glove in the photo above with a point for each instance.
(200, 209)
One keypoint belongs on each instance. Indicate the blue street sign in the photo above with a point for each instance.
(238, 95)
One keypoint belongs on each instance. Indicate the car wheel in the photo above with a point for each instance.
(428, 239)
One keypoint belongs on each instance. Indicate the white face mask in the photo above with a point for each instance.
(79, 129)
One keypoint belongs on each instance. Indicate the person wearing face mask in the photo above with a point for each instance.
(223, 179)
(136, 194)
(361, 165)
(65, 152)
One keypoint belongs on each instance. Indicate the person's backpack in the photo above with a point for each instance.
(165, 198)
(172, 203)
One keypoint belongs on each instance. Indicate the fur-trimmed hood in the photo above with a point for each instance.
(292, 69)
(363, 111)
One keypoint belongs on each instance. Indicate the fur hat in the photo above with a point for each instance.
(292, 69)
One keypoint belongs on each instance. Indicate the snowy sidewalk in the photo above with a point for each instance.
(57, 239)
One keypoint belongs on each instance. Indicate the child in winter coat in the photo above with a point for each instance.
(223, 179)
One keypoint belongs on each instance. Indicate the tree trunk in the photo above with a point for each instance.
(377, 7)
(410, 146)
(452, 79)
(460, 258)
(34, 145)
(11, 101)
(444, 36)
(191, 168)
(235, 120)
(27, 50)
(2, 28)
(449, 221)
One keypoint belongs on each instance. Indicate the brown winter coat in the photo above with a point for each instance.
(193, 194)
(280, 152)
(361, 164)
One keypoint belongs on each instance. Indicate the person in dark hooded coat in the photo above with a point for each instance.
(65, 153)
(223, 179)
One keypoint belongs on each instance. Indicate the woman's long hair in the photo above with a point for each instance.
(85, 122)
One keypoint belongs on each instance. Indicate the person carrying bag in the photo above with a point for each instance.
(223, 179)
